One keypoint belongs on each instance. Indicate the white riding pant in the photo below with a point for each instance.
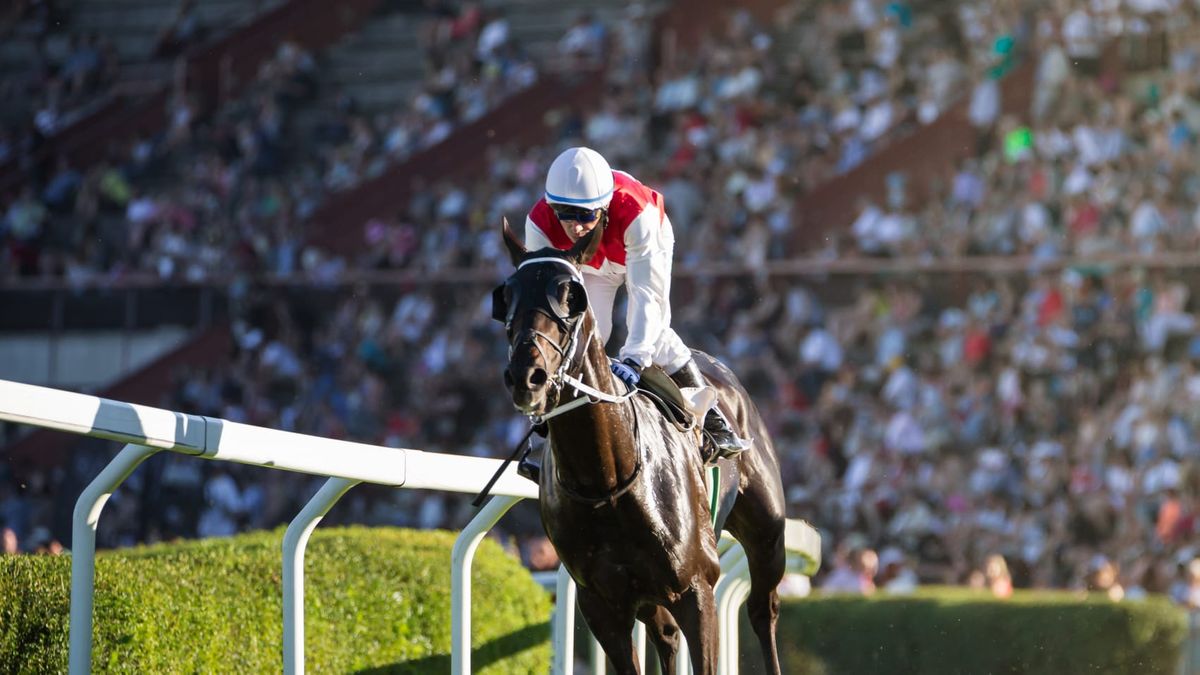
(669, 353)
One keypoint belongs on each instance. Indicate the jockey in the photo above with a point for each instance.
(635, 249)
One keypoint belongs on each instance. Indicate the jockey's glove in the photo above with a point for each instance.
(628, 372)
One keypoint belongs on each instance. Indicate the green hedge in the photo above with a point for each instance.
(944, 631)
(377, 600)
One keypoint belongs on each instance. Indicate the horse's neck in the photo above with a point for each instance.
(594, 445)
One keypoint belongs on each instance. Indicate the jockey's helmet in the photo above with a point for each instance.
(579, 177)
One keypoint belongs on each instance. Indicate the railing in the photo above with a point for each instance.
(43, 448)
(146, 431)
(799, 268)
(1189, 660)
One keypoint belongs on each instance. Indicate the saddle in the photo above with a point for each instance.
(661, 390)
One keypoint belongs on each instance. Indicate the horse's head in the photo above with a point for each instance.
(543, 306)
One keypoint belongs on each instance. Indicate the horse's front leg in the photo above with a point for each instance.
(613, 627)
(696, 612)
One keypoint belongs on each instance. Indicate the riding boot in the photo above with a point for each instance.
(716, 427)
(527, 466)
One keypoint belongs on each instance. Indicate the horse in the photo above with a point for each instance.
(622, 488)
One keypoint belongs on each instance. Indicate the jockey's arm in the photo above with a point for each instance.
(647, 279)
(535, 239)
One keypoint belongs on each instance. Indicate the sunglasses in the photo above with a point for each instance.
(576, 214)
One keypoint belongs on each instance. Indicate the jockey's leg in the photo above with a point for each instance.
(728, 443)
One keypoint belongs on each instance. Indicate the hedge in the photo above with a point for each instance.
(377, 600)
(945, 631)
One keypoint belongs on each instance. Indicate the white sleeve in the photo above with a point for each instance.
(647, 280)
(535, 239)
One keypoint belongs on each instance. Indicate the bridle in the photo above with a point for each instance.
(564, 376)
(568, 364)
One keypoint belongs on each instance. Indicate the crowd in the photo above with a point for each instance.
(756, 116)
(64, 76)
(1096, 166)
(68, 73)
(733, 134)
(1051, 425)
(229, 193)
(1031, 431)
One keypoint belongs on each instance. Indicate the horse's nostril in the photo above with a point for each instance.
(538, 377)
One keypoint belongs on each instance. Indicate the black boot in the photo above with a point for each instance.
(529, 467)
(716, 427)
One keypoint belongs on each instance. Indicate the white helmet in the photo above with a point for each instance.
(579, 177)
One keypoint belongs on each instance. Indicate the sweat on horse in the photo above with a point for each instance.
(623, 496)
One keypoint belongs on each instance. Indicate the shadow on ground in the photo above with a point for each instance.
(481, 657)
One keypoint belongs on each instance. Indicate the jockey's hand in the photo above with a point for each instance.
(628, 372)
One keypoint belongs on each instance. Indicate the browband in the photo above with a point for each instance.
(574, 270)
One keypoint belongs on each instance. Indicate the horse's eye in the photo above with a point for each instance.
(575, 298)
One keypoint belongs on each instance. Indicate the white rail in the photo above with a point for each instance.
(146, 430)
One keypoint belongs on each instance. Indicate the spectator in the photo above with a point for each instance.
(584, 43)
(9, 544)
(183, 32)
(854, 572)
(895, 575)
(1187, 593)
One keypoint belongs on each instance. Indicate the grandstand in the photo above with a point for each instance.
(948, 246)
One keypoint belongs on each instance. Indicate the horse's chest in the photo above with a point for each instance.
(628, 555)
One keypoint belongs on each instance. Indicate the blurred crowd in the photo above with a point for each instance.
(1097, 166)
(215, 195)
(1050, 423)
(1027, 430)
(756, 115)
(67, 73)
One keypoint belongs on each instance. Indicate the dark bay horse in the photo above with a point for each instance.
(623, 495)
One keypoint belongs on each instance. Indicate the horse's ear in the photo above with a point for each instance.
(516, 250)
(587, 245)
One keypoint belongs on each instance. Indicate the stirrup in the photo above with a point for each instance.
(729, 445)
